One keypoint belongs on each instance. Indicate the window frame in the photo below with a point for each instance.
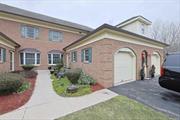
(51, 36)
(24, 32)
(52, 58)
(35, 59)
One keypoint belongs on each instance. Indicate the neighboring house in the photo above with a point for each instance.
(42, 38)
(110, 54)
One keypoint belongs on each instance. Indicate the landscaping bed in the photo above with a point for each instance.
(117, 108)
(11, 98)
(73, 82)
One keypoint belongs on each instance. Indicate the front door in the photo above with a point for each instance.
(12, 61)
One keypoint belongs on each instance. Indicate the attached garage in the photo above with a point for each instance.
(124, 66)
(116, 56)
(156, 60)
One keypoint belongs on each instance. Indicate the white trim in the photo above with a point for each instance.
(6, 44)
(110, 34)
(133, 20)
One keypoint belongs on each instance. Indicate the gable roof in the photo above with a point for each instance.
(130, 20)
(20, 12)
(9, 39)
(110, 27)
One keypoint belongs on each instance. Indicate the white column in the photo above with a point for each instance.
(35, 58)
(24, 58)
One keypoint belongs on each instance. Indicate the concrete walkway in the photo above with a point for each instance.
(46, 104)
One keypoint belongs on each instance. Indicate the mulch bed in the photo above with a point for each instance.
(16, 100)
(96, 87)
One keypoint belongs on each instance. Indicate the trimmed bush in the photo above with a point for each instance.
(10, 82)
(28, 67)
(85, 79)
(73, 75)
(29, 74)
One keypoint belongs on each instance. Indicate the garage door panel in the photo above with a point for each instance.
(155, 60)
(124, 67)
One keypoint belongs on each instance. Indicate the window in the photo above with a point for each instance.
(54, 58)
(86, 55)
(142, 29)
(29, 58)
(74, 56)
(2, 55)
(55, 36)
(29, 32)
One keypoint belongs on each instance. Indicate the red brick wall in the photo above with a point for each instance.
(12, 30)
(102, 66)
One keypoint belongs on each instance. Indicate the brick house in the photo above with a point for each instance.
(110, 54)
(41, 38)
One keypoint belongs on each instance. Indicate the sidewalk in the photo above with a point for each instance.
(46, 104)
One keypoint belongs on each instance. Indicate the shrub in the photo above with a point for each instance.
(85, 79)
(73, 75)
(23, 87)
(28, 67)
(10, 82)
(29, 74)
(59, 65)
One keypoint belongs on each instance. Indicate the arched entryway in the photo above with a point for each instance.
(144, 64)
(124, 66)
(155, 60)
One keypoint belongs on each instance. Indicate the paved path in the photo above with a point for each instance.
(150, 93)
(45, 104)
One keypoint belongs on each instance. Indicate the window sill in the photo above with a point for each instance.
(87, 62)
(33, 65)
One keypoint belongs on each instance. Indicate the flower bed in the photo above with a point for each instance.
(15, 100)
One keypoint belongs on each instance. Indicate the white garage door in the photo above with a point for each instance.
(124, 66)
(155, 60)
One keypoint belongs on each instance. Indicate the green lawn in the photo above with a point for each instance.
(60, 86)
(118, 108)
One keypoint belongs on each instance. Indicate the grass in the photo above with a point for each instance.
(60, 86)
(24, 87)
(117, 108)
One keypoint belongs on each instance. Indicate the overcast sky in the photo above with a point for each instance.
(94, 13)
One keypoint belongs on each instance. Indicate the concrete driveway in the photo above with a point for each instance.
(45, 104)
(150, 93)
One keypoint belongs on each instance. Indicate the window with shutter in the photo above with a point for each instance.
(86, 55)
(4, 55)
(74, 56)
(1, 55)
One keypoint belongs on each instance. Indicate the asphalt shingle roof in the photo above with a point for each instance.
(29, 14)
